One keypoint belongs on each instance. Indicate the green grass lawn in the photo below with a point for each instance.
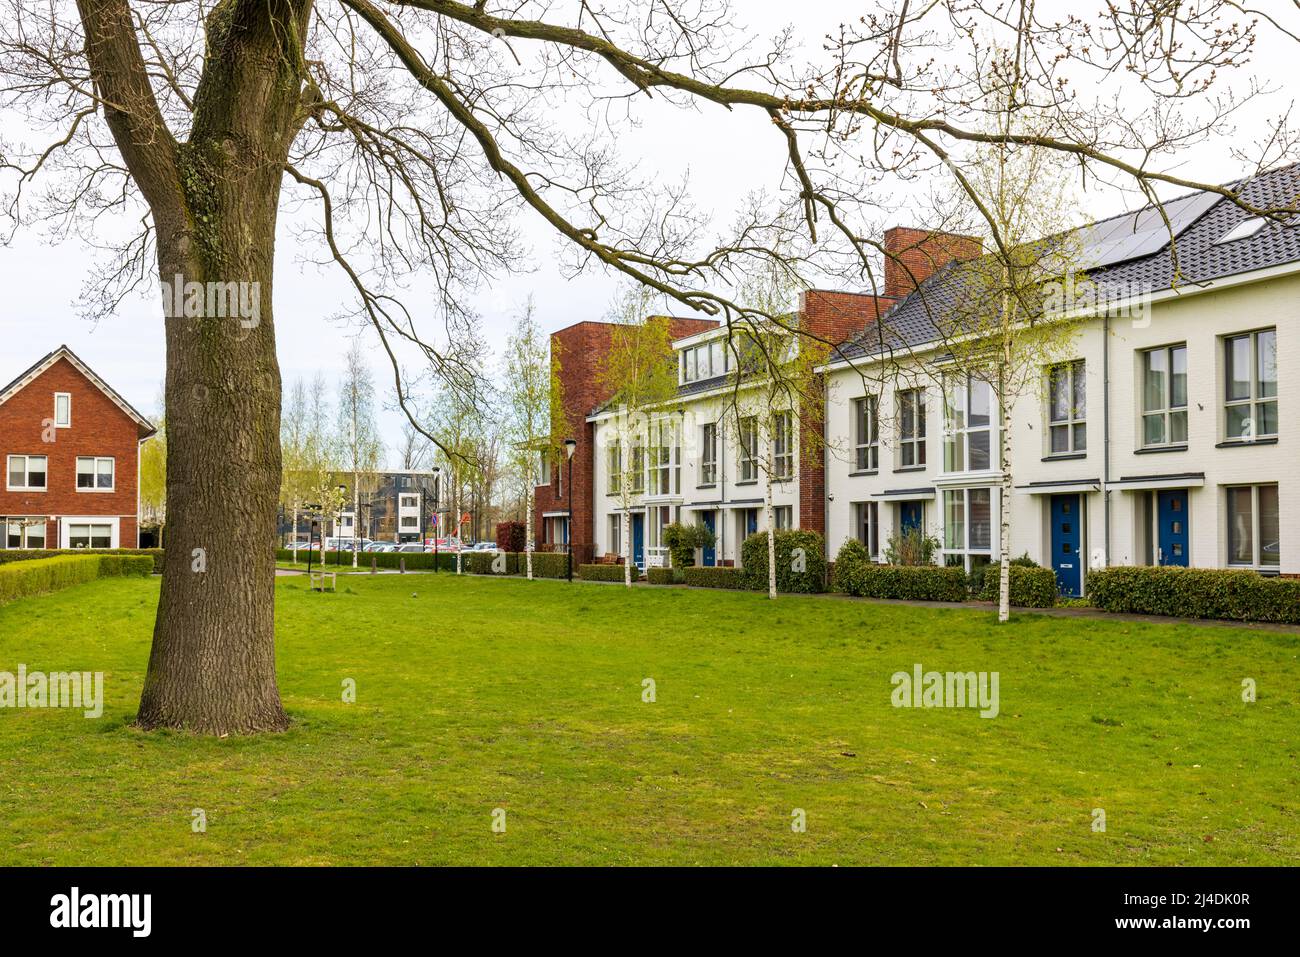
(475, 694)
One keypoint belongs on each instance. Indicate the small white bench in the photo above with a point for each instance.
(318, 579)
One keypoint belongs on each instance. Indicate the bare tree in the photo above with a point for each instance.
(413, 129)
(358, 435)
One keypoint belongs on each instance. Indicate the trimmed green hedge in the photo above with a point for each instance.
(666, 576)
(31, 554)
(715, 577)
(40, 575)
(482, 563)
(602, 573)
(546, 565)
(415, 561)
(911, 582)
(1229, 594)
(753, 556)
(1030, 587)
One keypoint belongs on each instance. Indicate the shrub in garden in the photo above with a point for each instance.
(911, 547)
(682, 540)
(851, 557)
(807, 574)
(912, 582)
(40, 575)
(666, 576)
(511, 536)
(488, 563)
(1230, 594)
(600, 573)
(1030, 585)
(701, 577)
(29, 554)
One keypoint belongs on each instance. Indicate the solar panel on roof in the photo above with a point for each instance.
(1143, 232)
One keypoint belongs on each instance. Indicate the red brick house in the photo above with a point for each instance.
(71, 452)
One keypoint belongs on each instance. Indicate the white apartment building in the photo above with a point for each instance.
(1161, 441)
(701, 460)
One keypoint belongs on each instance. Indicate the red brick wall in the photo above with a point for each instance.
(580, 349)
(99, 428)
(914, 255)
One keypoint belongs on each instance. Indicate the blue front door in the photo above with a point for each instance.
(1066, 560)
(638, 541)
(707, 555)
(909, 516)
(751, 521)
(1171, 519)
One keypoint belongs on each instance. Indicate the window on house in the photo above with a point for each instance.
(749, 449)
(1250, 377)
(1067, 428)
(410, 501)
(614, 465)
(967, 527)
(783, 517)
(968, 424)
(544, 468)
(94, 473)
(702, 362)
(90, 536)
(636, 472)
(866, 525)
(911, 428)
(27, 532)
(27, 472)
(1254, 526)
(616, 534)
(62, 410)
(717, 358)
(410, 521)
(665, 460)
(709, 454)
(782, 447)
(1164, 396)
(866, 435)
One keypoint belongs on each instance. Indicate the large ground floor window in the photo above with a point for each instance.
(90, 535)
(968, 527)
(866, 526)
(25, 532)
(1254, 527)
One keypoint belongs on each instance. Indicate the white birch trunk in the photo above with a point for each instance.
(1004, 502)
(771, 525)
(295, 534)
(356, 516)
(627, 546)
(531, 498)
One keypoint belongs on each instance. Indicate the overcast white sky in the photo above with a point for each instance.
(726, 155)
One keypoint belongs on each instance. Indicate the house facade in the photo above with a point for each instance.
(1159, 439)
(396, 506)
(71, 449)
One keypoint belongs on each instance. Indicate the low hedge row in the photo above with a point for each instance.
(665, 576)
(910, 582)
(1029, 587)
(39, 575)
(602, 573)
(1233, 595)
(32, 554)
(714, 577)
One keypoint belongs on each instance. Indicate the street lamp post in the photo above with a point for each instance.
(437, 496)
(570, 446)
(338, 543)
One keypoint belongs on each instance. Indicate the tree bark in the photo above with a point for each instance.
(214, 201)
(1004, 500)
(529, 498)
(771, 529)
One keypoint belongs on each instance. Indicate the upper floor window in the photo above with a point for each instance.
(410, 501)
(1164, 396)
(63, 410)
(1254, 526)
(26, 472)
(95, 473)
(410, 521)
(748, 449)
(782, 447)
(911, 428)
(709, 454)
(968, 424)
(614, 464)
(544, 469)
(665, 460)
(1250, 379)
(636, 470)
(866, 434)
(1067, 428)
(703, 361)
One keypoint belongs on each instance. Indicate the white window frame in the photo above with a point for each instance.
(94, 461)
(1073, 375)
(1256, 538)
(957, 428)
(1255, 400)
(747, 449)
(665, 458)
(614, 466)
(866, 526)
(783, 517)
(57, 397)
(782, 447)
(709, 453)
(26, 486)
(866, 434)
(911, 429)
(616, 534)
(25, 524)
(1167, 410)
(69, 524)
(966, 551)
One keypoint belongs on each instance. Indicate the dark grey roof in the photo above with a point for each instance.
(1200, 259)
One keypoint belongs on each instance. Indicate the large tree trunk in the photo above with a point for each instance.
(214, 201)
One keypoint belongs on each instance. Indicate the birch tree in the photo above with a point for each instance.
(358, 434)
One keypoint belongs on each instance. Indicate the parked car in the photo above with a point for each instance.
(378, 547)
(412, 547)
(304, 546)
(483, 547)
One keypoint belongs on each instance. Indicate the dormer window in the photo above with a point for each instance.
(703, 362)
(63, 410)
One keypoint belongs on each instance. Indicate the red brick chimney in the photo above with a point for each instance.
(914, 255)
